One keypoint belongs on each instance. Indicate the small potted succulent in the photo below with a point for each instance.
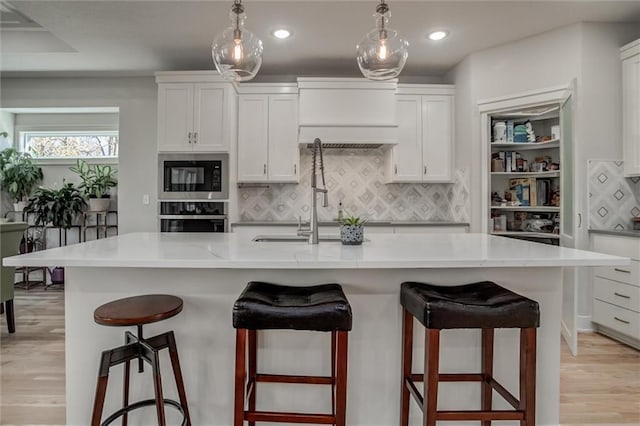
(18, 176)
(96, 181)
(352, 230)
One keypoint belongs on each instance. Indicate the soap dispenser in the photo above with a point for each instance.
(340, 213)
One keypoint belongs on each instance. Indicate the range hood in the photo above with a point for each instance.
(347, 112)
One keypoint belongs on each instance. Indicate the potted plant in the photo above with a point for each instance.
(96, 181)
(18, 176)
(58, 207)
(352, 230)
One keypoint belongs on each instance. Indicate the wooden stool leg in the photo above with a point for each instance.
(487, 371)
(177, 374)
(101, 388)
(157, 387)
(407, 359)
(333, 372)
(253, 370)
(11, 318)
(241, 352)
(341, 379)
(528, 349)
(431, 369)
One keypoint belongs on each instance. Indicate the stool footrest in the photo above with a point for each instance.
(274, 416)
(285, 378)
(480, 415)
(141, 404)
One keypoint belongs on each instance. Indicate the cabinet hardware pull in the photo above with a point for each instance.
(621, 270)
(579, 220)
(395, 169)
(425, 170)
(195, 137)
(624, 296)
(190, 137)
(295, 169)
(621, 320)
(264, 169)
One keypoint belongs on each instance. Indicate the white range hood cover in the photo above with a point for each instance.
(347, 111)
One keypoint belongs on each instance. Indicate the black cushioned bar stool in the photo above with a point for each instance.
(137, 311)
(483, 305)
(263, 306)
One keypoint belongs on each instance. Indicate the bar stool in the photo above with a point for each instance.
(263, 306)
(483, 305)
(137, 311)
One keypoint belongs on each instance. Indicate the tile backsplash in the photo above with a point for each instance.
(356, 178)
(613, 199)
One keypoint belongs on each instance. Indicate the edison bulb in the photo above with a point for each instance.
(238, 53)
(382, 52)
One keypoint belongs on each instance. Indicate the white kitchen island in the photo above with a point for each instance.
(208, 271)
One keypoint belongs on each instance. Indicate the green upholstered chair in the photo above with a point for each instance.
(10, 236)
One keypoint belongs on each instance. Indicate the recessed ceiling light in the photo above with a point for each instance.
(437, 35)
(281, 33)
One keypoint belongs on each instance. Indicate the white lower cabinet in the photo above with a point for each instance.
(616, 290)
(268, 138)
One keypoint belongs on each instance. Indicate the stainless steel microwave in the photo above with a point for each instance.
(193, 176)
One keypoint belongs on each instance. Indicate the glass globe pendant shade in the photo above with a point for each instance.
(237, 53)
(382, 53)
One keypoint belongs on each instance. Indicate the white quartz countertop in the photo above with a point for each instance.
(232, 251)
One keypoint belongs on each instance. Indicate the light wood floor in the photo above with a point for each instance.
(599, 387)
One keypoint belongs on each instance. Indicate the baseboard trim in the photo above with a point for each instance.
(584, 324)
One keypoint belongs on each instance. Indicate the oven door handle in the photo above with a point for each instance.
(193, 216)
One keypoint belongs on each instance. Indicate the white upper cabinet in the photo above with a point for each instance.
(630, 55)
(425, 135)
(253, 148)
(267, 134)
(192, 116)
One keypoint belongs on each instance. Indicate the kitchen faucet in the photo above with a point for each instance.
(312, 230)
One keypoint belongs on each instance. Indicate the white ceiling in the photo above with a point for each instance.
(140, 37)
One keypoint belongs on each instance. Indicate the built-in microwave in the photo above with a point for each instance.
(193, 176)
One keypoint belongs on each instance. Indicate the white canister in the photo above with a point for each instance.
(499, 131)
(555, 132)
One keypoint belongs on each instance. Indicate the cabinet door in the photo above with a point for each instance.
(209, 118)
(284, 154)
(437, 138)
(253, 130)
(175, 117)
(407, 155)
(631, 115)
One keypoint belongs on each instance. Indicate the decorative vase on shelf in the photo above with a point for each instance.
(99, 204)
(19, 206)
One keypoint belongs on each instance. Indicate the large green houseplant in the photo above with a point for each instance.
(97, 179)
(18, 175)
(57, 207)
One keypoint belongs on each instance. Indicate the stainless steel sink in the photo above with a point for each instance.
(292, 238)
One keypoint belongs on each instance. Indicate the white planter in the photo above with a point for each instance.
(19, 206)
(99, 204)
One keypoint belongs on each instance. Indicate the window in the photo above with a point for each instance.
(90, 144)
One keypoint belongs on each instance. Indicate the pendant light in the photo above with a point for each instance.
(382, 53)
(237, 53)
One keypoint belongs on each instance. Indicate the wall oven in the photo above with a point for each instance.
(193, 216)
(193, 176)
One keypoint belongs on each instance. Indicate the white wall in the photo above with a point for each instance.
(586, 52)
(137, 100)
(6, 125)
